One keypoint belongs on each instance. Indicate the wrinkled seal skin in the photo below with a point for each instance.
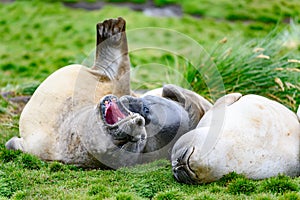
(255, 136)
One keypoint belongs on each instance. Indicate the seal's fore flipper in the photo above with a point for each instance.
(174, 93)
(112, 58)
(194, 104)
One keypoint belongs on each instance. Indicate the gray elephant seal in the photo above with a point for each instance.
(64, 120)
(254, 136)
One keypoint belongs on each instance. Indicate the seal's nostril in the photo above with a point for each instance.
(140, 122)
(143, 136)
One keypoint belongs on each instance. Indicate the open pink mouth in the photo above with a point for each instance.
(112, 110)
(113, 114)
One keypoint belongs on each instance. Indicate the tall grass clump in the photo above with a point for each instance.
(269, 67)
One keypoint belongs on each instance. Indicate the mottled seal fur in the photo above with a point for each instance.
(249, 134)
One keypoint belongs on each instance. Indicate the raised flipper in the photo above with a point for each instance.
(112, 54)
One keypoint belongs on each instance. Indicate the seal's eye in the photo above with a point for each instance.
(146, 110)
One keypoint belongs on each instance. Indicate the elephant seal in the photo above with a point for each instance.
(255, 136)
(82, 116)
(64, 93)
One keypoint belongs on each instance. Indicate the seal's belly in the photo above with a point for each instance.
(63, 92)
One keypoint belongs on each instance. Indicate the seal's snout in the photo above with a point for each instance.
(180, 166)
(139, 121)
(138, 131)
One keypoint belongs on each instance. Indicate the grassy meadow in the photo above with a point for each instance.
(214, 48)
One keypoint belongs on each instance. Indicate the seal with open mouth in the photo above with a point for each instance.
(249, 134)
(110, 135)
(124, 126)
(47, 122)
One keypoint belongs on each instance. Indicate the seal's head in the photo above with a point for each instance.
(233, 136)
(165, 120)
(167, 116)
(122, 124)
(182, 153)
(181, 168)
(150, 125)
(139, 128)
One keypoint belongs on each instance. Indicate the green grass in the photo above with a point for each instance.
(49, 36)
(26, 177)
(38, 38)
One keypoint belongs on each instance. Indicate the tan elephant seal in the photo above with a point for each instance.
(70, 89)
(254, 136)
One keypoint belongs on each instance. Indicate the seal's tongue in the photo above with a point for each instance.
(112, 113)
